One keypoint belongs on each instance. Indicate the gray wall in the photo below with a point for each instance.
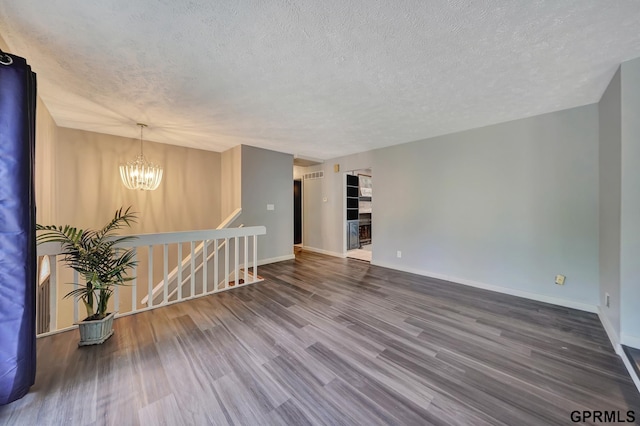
(609, 165)
(630, 204)
(509, 206)
(267, 178)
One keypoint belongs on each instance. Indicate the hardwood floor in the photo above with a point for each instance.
(334, 341)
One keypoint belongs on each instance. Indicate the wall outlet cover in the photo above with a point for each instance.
(560, 279)
(398, 254)
(271, 207)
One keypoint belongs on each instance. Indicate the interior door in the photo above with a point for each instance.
(297, 212)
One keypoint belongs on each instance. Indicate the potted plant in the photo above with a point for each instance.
(94, 254)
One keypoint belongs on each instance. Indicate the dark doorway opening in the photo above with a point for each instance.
(297, 211)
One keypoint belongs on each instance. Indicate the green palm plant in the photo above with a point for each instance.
(94, 254)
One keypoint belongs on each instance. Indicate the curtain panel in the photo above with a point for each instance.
(17, 228)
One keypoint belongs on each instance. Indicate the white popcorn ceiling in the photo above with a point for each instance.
(315, 78)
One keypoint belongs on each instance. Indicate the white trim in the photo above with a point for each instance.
(608, 327)
(344, 216)
(505, 290)
(617, 347)
(60, 330)
(276, 259)
(301, 210)
(230, 219)
(629, 340)
(322, 251)
(630, 369)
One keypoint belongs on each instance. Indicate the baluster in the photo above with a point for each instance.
(76, 278)
(255, 257)
(116, 289)
(150, 278)
(246, 259)
(205, 262)
(226, 263)
(215, 265)
(179, 271)
(116, 298)
(53, 293)
(165, 271)
(236, 268)
(193, 269)
(134, 282)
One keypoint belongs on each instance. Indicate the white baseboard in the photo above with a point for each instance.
(629, 340)
(505, 290)
(327, 252)
(615, 342)
(608, 327)
(629, 367)
(276, 259)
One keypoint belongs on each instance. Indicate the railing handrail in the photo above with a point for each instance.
(188, 236)
(230, 219)
(51, 249)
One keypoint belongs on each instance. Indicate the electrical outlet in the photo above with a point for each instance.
(398, 254)
(560, 279)
(606, 299)
(271, 207)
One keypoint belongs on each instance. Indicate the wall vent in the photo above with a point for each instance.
(314, 175)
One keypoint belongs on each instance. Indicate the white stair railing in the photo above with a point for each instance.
(224, 269)
(172, 284)
(175, 290)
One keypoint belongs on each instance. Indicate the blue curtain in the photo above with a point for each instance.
(17, 228)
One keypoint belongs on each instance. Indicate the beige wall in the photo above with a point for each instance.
(298, 172)
(231, 187)
(3, 45)
(46, 137)
(89, 189)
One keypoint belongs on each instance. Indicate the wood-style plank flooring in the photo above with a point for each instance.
(333, 341)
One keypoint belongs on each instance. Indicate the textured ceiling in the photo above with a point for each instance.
(315, 78)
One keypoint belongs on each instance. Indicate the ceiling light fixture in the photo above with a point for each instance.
(140, 173)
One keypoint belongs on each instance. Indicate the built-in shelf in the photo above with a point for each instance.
(358, 213)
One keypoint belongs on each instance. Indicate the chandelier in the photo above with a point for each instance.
(140, 173)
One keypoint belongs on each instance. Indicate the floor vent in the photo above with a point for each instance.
(314, 175)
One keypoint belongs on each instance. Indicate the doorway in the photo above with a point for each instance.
(358, 205)
(297, 211)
